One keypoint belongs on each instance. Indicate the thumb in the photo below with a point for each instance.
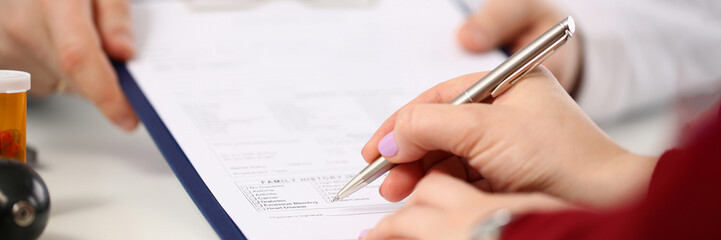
(496, 24)
(422, 128)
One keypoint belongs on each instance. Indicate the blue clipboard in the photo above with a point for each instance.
(174, 155)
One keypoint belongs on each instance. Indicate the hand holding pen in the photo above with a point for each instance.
(490, 86)
(532, 138)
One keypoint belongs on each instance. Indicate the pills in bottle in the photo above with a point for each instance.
(13, 113)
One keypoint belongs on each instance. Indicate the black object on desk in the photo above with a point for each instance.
(24, 201)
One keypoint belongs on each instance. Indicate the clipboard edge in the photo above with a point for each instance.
(204, 200)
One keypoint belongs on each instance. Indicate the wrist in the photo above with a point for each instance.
(621, 179)
(633, 172)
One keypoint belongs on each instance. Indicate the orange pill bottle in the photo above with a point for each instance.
(13, 113)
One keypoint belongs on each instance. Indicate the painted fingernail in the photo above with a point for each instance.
(127, 123)
(363, 233)
(387, 146)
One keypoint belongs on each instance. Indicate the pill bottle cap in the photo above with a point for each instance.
(14, 81)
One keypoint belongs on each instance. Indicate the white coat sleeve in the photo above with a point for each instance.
(643, 52)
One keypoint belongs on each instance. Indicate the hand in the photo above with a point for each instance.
(515, 23)
(444, 207)
(64, 43)
(532, 138)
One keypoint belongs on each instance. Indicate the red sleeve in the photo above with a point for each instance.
(683, 202)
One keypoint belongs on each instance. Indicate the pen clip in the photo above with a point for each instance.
(530, 65)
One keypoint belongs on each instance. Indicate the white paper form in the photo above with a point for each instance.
(272, 104)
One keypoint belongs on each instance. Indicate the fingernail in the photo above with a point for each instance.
(127, 123)
(363, 233)
(387, 146)
(479, 37)
(126, 39)
(476, 35)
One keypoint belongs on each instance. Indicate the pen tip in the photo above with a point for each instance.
(335, 199)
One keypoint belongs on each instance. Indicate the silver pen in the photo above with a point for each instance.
(491, 85)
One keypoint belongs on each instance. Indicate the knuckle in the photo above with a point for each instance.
(14, 31)
(72, 57)
(406, 119)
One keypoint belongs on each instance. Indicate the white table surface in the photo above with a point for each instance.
(105, 184)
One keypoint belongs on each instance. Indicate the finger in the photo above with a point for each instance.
(443, 192)
(84, 61)
(422, 128)
(497, 22)
(442, 93)
(401, 181)
(116, 28)
(409, 223)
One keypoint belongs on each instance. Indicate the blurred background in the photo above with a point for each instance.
(108, 184)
